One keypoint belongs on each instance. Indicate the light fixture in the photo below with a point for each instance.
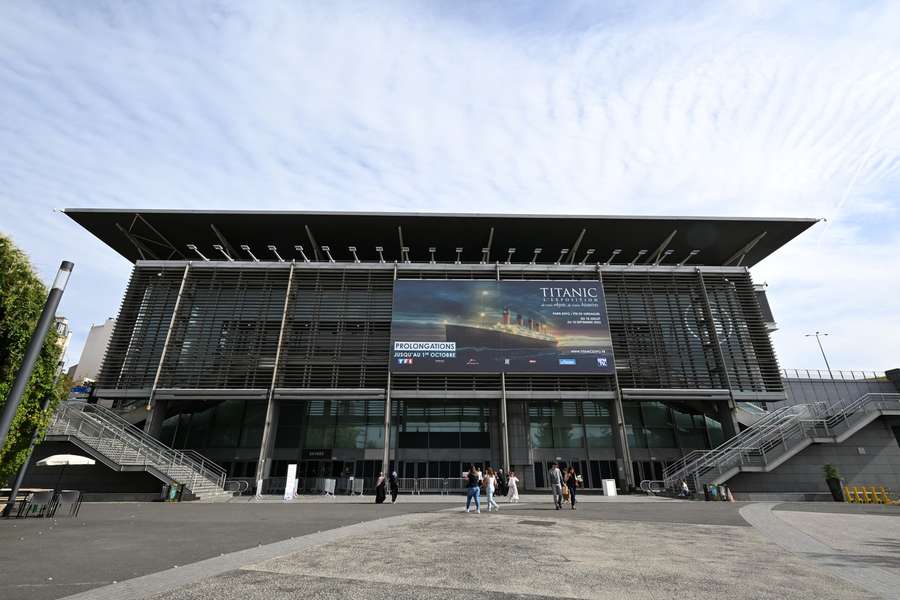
(274, 251)
(431, 251)
(587, 255)
(663, 257)
(562, 254)
(509, 255)
(459, 255)
(534, 258)
(200, 254)
(404, 253)
(352, 250)
(612, 256)
(484, 255)
(636, 258)
(299, 249)
(327, 251)
(222, 250)
(690, 255)
(246, 249)
(380, 251)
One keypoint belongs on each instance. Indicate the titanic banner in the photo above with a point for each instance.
(466, 326)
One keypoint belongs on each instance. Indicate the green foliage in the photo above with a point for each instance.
(22, 297)
(831, 472)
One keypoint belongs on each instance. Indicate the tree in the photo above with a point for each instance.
(22, 297)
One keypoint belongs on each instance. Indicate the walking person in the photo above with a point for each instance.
(556, 483)
(502, 482)
(474, 490)
(394, 486)
(379, 488)
(490, 485)
(512, 493)
(571, 482)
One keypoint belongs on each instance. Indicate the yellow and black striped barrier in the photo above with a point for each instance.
(868, 495)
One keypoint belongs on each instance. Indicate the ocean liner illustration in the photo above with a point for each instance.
(509, 332)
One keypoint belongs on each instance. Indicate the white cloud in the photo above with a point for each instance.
(764, 109)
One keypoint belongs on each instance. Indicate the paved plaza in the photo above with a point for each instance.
(630, 547)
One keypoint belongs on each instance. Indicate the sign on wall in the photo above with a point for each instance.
(464, 326)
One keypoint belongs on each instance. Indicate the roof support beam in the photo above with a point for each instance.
(156, 232)
(312, 241)
(741, 254)
(657, 254)
(486, 258)
(577, 243)
(142, 249)
(223, 241)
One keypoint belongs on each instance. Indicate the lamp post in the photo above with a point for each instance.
(817, 335)
(33, 351)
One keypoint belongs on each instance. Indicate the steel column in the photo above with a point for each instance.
(386, 457)
(620, 437)
(148, 424)
(266, 445)
(504, 425)
(729, 419)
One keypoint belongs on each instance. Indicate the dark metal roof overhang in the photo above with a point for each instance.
(432, 237)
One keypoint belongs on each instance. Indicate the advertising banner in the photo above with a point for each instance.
(464, 326)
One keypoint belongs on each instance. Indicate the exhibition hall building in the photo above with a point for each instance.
(351, 343)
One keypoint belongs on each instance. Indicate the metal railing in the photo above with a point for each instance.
(125, 444)
(834, 374)
(774, 435)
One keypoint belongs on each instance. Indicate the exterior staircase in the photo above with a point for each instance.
(121, 446)
(777, 437)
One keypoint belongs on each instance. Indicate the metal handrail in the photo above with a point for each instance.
(96, 423)
(781, 430)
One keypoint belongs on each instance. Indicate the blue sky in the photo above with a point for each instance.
(738, 109)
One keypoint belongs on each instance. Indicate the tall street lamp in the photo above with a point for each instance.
(33, 350)
(817, 335)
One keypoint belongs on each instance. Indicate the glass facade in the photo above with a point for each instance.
(227, 424)
(345, 424)
(564, 423)
(666, 425)
(442, 423)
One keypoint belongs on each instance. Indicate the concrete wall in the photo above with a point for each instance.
(807, 391)
(94, 351)
(879, 465)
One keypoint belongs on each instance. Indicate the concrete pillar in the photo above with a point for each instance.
(386, 458)
(155, 418)
(267, 444)
(504, 424)
(620, 437)
(726, 415)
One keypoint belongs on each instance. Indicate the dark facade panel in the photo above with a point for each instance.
(337, 330)
(165, 234)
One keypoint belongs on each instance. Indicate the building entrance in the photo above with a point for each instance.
(591, 471)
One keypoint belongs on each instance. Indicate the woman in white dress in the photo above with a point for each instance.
(490, 483)
(513, 482)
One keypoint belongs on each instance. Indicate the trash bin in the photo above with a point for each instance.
(706, 494)
(164, 493)
(173, 492)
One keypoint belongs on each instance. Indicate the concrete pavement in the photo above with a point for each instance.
(632, 547)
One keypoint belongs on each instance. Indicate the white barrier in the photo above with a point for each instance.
(328, 487)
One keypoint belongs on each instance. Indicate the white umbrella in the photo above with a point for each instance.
(64, 460)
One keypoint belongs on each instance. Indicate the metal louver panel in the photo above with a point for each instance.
(338, 328)
(136, 344)
(660, 331)
(743, 336)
